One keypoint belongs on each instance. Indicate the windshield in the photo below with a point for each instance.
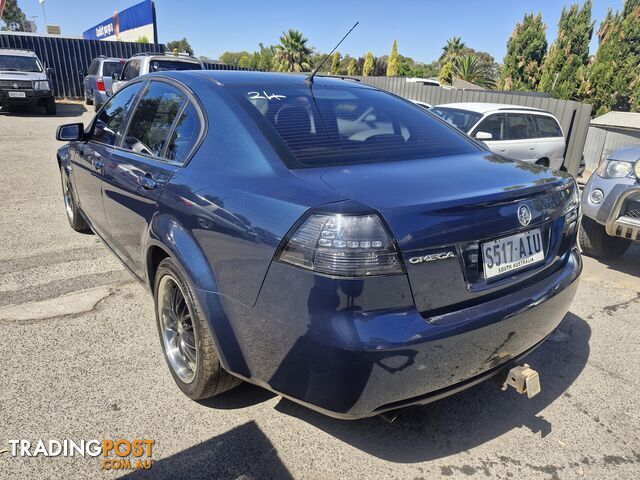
(463, 119)
(18, 63)
(168, 65)
(109, 67)
(339, 126)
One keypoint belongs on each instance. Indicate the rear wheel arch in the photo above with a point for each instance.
(544, 161)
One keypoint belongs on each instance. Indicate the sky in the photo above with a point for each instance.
(421, 27)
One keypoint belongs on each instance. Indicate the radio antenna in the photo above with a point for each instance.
(309, 79)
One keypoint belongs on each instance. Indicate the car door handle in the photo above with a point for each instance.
(96, 161)
(147, 182)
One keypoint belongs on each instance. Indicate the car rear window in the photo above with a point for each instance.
(325, 126)
(169, 65)
(463, 119)
(108, 68)
(547, 126)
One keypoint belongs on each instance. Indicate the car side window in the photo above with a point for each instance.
(107, 125)
(519, 126)
(153, 119)
(131, 70)
(495, 124)
(547, 126)
(92, 68)
(184, 136)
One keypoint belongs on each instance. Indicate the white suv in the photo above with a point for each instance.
(521, 133)
(142, 63)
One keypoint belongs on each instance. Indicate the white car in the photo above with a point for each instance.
(148, 62)
(521, 133)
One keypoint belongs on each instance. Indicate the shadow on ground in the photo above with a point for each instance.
(457, 423)
(243, 452)
(628, 263)
(63, 110)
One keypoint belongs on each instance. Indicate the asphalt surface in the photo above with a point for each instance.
(81, 359)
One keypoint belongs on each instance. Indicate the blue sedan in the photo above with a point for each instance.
(321, 238)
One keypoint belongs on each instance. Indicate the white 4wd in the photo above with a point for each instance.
(24, 81)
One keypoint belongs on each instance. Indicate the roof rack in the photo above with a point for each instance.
(146, 54)
(341, 77)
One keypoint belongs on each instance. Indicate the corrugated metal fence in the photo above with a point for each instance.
(573, 116)
(68, 57)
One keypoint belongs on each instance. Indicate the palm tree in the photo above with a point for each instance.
(453, 48)
(468, 68)
(292, 55)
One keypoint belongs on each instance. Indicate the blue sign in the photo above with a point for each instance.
(128, 25)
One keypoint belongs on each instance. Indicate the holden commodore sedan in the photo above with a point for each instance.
(353, 271)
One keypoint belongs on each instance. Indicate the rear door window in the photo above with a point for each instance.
(547, 126)
(495, 124)
(108, 68)
(153, 119)
(519, 126)
(325, 126)
(108, 125)
(131, 70)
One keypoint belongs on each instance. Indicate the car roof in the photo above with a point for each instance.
(16, 52)
(483, 108)
(240, 77)
(111, 59)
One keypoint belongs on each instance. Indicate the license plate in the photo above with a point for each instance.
(512, 253)
(17, 94)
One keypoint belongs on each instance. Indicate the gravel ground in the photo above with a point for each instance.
(81, 359)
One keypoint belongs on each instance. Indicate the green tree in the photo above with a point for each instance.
(335, 64)
(525, 54)
(352, 67)
(612, 81)
(453, 48)
(468, 68)
(568, 56)
(367, 68)
(13, 17)
(392, 64)
(143, 39)
(233, 58)
(180, 45)
(445, 76)
(293, 54)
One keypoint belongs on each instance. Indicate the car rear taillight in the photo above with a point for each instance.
(343, 245)
(100, 85)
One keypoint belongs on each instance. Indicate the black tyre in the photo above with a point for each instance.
(50, 106)
(597, 243)
(186, 341)
(543, 161)
(76, 220)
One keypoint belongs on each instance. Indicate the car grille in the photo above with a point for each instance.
(632, 209)
(16, 84)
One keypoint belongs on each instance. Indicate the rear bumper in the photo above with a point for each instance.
(352, 349)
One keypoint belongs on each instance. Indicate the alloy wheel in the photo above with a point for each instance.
(178, 335)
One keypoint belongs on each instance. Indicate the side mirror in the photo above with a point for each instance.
(115, 76)
(71, 132)
(483, 136)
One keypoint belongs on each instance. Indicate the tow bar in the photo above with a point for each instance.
(524, 379)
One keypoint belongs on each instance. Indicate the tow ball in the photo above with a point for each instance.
(524, 379)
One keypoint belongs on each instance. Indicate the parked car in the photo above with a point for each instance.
(98, 81)
(517, 132)
(143, 63)
(611, 205)
(353, 272)
(25, 81)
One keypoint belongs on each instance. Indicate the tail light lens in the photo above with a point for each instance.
(100, 85)
(343, 245)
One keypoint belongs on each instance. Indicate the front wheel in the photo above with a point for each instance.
(187, 343)
(596, 242)
(50, 106)
(73, 212)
